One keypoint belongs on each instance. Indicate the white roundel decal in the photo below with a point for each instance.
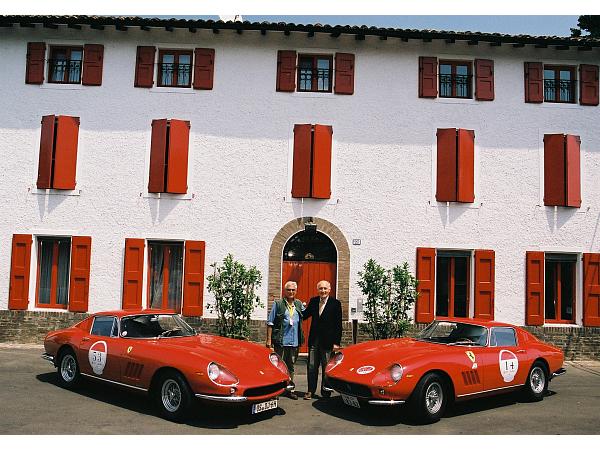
(509, 364)
(364, 370)
(97, 357)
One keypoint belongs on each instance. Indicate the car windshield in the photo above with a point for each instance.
(454, 333)
(155, 326)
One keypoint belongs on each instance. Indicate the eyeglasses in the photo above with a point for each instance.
(290, 289)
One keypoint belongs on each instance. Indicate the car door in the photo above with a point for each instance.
(506, 362)
(99, 349)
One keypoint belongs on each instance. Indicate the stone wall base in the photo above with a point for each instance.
(30, 327)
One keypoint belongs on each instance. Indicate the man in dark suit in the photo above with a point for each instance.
(324, 336)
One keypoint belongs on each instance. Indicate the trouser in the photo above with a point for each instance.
(289, 356)
(317, 356)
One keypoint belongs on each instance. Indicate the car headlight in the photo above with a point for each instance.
(334, 361)
(220, 375)
(278, 362)
(396, 372)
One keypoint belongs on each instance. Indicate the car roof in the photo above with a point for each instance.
(121, 313)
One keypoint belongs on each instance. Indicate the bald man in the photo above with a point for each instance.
(324, 336)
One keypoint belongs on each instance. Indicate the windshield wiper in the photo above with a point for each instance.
(168, 332)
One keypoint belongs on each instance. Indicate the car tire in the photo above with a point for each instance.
(173, 396)
(537, 383)
(68, 369)
(429, 399)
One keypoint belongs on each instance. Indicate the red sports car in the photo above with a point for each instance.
(159, 353)
(448, 361)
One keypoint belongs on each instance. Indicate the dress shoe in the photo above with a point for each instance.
(292, 395)
(308, 396)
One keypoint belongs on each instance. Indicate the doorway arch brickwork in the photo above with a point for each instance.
(343, 259)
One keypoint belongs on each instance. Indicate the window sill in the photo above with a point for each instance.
(167, 196)
(63, 87)
(561, 325)
(174, 90)
(459, 101)
(314, 94)
(560, 105)
(436, 204)
(35, 191)
(583, 209)
(312, 201)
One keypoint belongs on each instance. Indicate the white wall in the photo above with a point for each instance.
(240, 157)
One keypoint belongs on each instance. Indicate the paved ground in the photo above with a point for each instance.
(33, 403)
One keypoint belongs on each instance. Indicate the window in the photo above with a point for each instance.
(165, 275)
(445, 284)
(455, 165)
(54, 258)
(175, 68)
(503, 337)
(562, 171)
(456, 79)
(311, 175)
(105, 326)
(314, 73)
(169, 156)
(452, 286)
(58, 152)
(64, 65)
(559, 84)
(559, 296)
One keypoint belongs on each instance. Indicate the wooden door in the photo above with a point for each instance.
(307, 275)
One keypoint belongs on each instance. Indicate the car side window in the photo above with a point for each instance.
(103, 326)
(503, 337)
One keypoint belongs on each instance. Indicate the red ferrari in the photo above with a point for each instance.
(448, 361)
(160, 354)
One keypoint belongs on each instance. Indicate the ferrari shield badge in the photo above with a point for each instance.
(509, 364)
(471, 356)
(97, 357)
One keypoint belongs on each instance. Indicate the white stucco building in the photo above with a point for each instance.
(427, 147)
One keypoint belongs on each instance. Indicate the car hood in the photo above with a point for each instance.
(244, 359)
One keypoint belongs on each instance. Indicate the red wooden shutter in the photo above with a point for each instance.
(204, 67)
(485, 282)
(302, 161)
(133, 273)
(177, 166)
(18, 293)
(534, 302)
(93, 57)
(144, 67)
(466, 166)
(484, 79)
(79, 286)
(591, 289)
(158, 151)
(424, 308)
(34, 69)
(44, 180)
(344, 73)
(321, 174)
(446, 165)
(193, 281)
(554, 170)
(534, 82)
(65, 152)
(286, 71)
(588, 84)
(428, 77)
(573, 183)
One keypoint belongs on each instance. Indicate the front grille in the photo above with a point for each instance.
(265, 390)
(355, 389)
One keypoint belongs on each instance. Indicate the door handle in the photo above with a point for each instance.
(520, 351)
(85, 339)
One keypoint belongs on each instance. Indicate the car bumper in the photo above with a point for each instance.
(48, 357)
(370, 401)
(241, 398)
(559, 372)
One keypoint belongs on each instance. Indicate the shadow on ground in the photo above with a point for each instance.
(214, 416)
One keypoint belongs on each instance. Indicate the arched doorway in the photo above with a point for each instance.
(309, 256)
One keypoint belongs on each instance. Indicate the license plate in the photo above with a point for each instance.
(264, 406)
(350, 400)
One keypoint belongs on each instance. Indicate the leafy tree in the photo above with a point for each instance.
(234, 287)
(591, 24)
(390, 295)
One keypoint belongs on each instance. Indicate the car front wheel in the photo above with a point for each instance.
(429, 399)
(68, 369)
(173, 397)
(537, 383)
